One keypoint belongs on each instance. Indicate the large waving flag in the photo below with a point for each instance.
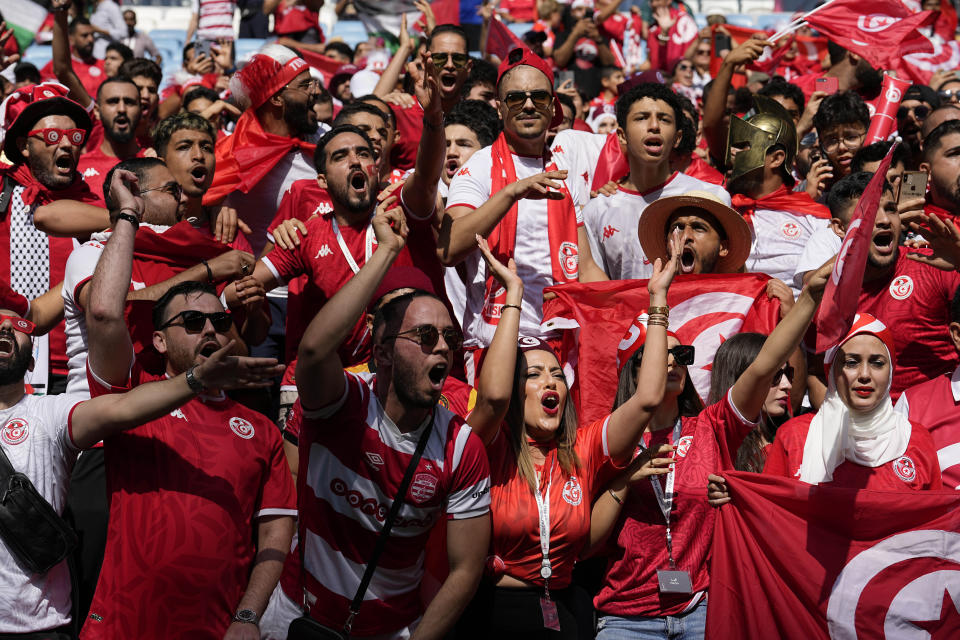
(705, 310)
(797, 561)
(501, 41)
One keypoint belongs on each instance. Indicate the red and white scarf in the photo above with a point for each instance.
(561, 232)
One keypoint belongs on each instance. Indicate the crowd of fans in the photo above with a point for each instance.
(247, 305)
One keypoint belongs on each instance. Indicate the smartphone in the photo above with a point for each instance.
(202, 48)
(827, 85)
(562, 76)
(722, 43)
(588, 14)
(913, 185)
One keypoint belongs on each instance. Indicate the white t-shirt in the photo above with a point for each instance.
(611, 223)
(35, 436)
(822, 245)
(214, 19)
(472, 187)
(779, 237)
(578, 153)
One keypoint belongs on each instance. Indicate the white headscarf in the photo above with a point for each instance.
(837, 433)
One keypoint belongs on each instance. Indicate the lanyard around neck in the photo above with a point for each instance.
(367, 244)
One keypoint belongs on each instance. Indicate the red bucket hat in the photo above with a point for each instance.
(267, 72)
(24, 107)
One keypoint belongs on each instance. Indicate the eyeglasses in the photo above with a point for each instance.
(460, 60)
(787, 370)
(921, 111)
(850, 141)
(172, 188)
(194, 321)
(53, 135)
(949, 94)
(516, 99)
(427, 335)
(19, 324)
(703, 52)
(684, 67)
(683, 354)
(305, 87)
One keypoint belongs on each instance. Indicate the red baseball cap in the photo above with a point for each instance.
(523, 56)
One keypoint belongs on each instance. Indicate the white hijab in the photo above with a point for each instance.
(837, 433)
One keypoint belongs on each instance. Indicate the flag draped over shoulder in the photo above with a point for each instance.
(705, 310)
(792, 560)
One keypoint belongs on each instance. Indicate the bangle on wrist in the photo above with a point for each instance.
(511, 306)
(209, 271)
(615, 497)
(663, 310)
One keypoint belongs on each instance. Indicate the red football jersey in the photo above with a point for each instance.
(91, 75)
(185, 492)
(916, 469)
(638, 547)
(936, 406)
(94, 166)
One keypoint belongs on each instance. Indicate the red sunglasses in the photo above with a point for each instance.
(52, 135)
(20, 324)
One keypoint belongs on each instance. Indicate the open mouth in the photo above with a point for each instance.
(448, 80)
(687, 260)
(451, 167)
(209, 348)
(883, 241)
(358, 181)
(550, 401)
(653, 145)
(199, 174)
(64, 163)
(7, 345)
(438, 374)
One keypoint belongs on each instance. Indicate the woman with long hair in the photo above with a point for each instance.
(545, 468)
(658, 533)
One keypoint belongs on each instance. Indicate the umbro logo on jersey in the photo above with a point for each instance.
(609, 230)
(374, 459)
(89, 172)
(176, 413)
(324, 252)
(323, 208)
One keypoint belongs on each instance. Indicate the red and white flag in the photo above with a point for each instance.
(792, 560)
(705, 310)
(842, 293)
(501, 41)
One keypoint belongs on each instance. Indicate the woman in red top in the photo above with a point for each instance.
(544, 470)
(658, 554)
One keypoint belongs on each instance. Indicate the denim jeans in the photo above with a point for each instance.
(689, 626)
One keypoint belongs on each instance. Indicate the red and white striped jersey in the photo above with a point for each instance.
(352, 460)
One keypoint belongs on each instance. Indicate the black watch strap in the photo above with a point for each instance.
(197, 387)
(129, 217)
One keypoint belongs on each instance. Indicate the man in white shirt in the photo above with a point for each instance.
(107, 21)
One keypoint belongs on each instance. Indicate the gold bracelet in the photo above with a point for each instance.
(615, 497)
(664, 309)
(657, 323)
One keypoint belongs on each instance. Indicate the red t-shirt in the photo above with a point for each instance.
(916, 469)
(295, 18)
(519, 10)
(185, 492)
(638, 548)
(91, 75)
(515, 543)
(94, 166)
(934, 404)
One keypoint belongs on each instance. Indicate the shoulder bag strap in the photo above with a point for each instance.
(6, 468)
(6, 194)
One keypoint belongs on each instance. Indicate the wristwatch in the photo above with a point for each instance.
(197, 387)
(246, 615)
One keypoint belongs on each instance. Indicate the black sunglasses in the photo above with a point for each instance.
(683, 354)
(460, 60)
(516, 99)
(787, 370)
(195, 321)
(921, 111)
(428, 335)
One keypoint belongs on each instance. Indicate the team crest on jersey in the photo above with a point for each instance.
(905, 469)
(15, 431)
(569, 260)
(423, 487)
(241, 427)
(683, 446)
(790, 229)
(94, 71)
(572, 493)
(901, 287)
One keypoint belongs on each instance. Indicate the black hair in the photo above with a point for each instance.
(934, 139)
(448, 28)
(137, 166)
(836, 52)
(955, 306)
(320, 156)
(567, 101)
(142, 67)
(181, 289)
(847, 190)
(26, 72)
(780, 87)
(389, 315)
(481, 72)
(607, 72)
(731, 360)
(117, 79)
(877, 151)
(479, 117)
(687, 127)
(372, 97)
(653, 90)
(841, 108)
(187, 48)
(76, 22)
(340, 47)
(125, 52)
(688, 401)
(165, 129)
(195, 93)
(353, 108)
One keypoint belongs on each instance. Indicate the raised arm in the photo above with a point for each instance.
(495, 385)
(715, 105)
(62, 64)
(46, 310)
(391, 75)
(420, 189)
(319, 369)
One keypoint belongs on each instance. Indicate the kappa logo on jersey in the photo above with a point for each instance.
(901, 287)
(241, 427)
(423, 487)
(464, 172)
(572, 493)
(569, 260)
(374, 459)
(683, 446)
(89, 172)
(15, 431)
(608, 231)
(790, 229)
(585, 176)
(557, 149)
(323, 208)
(905, 469)
(323, 252)
(177, 413)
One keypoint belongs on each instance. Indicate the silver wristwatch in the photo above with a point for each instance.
(246, 615)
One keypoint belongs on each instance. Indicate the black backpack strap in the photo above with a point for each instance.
(8, 185)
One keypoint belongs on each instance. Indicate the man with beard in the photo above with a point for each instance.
(118, 109)
(42, 436)
(208, 483)
(348, 423)
(853, 73)
(918, 101)
(272, 144)
(77, 55)
(146, 74)
(43, 140)
(940, 161)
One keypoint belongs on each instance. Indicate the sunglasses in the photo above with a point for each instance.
(921, 111)
(703, 52)
(949, 94)
(172, 188)
(684, 67)
(460, 60)
(787, 370)
(195, 321)
(53, 135)
(683, 354)
(541, 99)
(19, 324)
(427, 335)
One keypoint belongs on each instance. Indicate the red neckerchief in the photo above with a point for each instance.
(35, 192)
(799, 203)
(561, 231)
(247, 156)
(612, 164)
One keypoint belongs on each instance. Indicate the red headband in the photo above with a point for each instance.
(263, 76)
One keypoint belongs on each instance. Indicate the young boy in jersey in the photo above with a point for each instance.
(610, 79)
(649, 120)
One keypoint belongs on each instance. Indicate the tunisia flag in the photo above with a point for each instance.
(705, 310)
(842, 293)
(792, 560)
(501, 41)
